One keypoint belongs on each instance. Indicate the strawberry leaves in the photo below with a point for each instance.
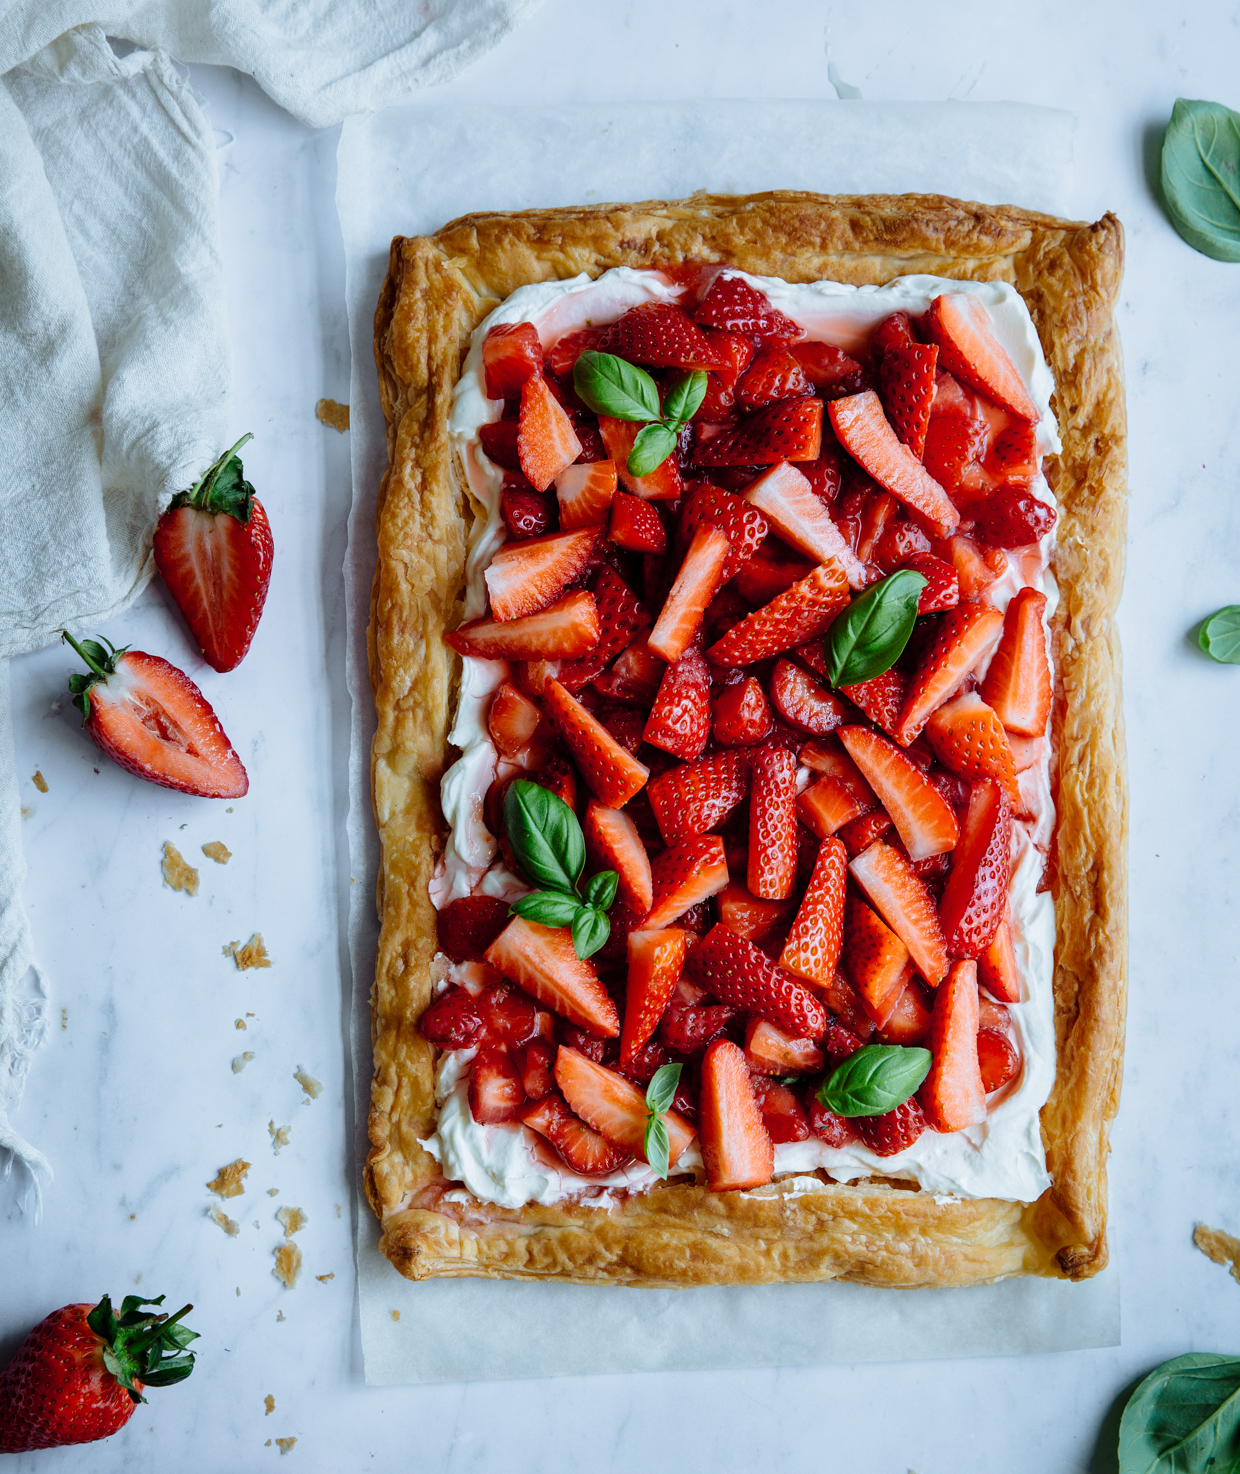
(660, 1094)
(222, 487)
(142, 1347)
(613, 387)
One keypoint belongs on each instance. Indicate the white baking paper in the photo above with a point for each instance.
(408, 171)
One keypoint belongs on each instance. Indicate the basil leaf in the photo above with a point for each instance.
(610, 386)
(875, 1080)
(685, 397)
(545, 836)
(550, 908)
(1219, 637)
(1184, 1418)
(600, 889)
(590, 931)
(661, 1091)
(652, 447)
(1201, 177)
(657, 1146)
(870, 635)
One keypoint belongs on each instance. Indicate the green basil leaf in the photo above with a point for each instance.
(1219, 637)
(652, 447)
(870, 635)
(661, 1091)
(549, 908)
(545, 836)
(600, 889)
(1184, 1418)
(590, 931)
(874, 1080)
(610, 386)
(657, 1145)
(685, 397)
(1201, 177)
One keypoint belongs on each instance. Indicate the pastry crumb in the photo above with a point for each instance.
(230, 1225)
(279, 1315)
(218, 851)
(39, 781)
(273, 1192)
(323, 1278)
(64, 1018)
(230, 1180)
(239, 1023)
(396, 1315)
(279, 1136)
(288, 1264)
(269, 1403)
(333, 414)
(308, 1083)
(241, 1061)
(177, 874)
(1222, 1247)
(292, 1220)
(337, 1206)
(253, 954)
(285, 1445)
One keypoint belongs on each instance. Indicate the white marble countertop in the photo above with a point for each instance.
(135, 1100)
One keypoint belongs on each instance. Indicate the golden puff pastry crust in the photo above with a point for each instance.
(878, 1232)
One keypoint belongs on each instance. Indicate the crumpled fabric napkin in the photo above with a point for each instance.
(115, 371)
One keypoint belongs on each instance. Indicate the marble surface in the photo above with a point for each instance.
(135, 1100)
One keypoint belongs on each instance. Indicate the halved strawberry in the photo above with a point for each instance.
(620, 614)
(567, 628)
(584, 493)
(773, 374)
(748, 915)
(907, 376)
(524, 577)
(798, 614)
(790, 430)
(964, 637)
(942, 590)
(976, 567)
(923, 818)
(736, 1149)
(828, 805)
(563, 354)
(860, 833)
(684, 875)
(770, 572)
(656, 960)
(744, 526)
(1018, 680)
(881, 698)
(968, 737)
(452, 1020)
(770, 1050)
(466, 928)
(900, 542)
(772, 824)
(1013, 455)
(735, 352)
(997, 1059)
(975, 900)
(783, 1115)
(901, 899)
(954, 446)
(876, 960)
(736, 972)
(679, 721)
(996, 965)
(612, 839)
(535, 1063)
(812, 950)
(580, 1147)
(546, 441)
(968, 348)
(613, 774)
(662, 484)
(499, 444)
(614, 1106)
(700, 795)
(511, 352)
(864, 433)
(830, 369)
(495, 1090)
(635, 676)
(893, 333)
(800, 700)
(660, 334)
(952, 1095)
(786, 498)
(731, 303)
(635, 524)
(741, 715)
(542, 960)
(1012, 517)
(893, 1131)
(909, 1019)
(699, 577)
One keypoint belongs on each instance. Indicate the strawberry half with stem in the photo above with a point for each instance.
(864, 432)
(812, 950)
(1018, 680)
(736, 1148)
(151, 720)
(213, 550)
(614, 775)
(772, 824)
(952, 1094)
(787, 500)
(922, 816)
(736, 972)
(656, 960)
(800, 613)
(900, 897)
(968, 349)
(975, 900)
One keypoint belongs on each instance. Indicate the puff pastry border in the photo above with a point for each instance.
(437, 290)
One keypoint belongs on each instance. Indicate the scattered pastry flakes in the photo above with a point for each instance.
(273, 1192)
(288, 1264)
(177, 874)
(323, 1278)
(218, 851)
(269, 1403)
(279, 1136)
(292, 1220)
(253, 954)
(308, 1083)
(396, 1315)
(333, 414)
(1222, 1247)
(241, 1061)
(285, 1445)
(230, 1225)
(39, 781)
(230, 1180)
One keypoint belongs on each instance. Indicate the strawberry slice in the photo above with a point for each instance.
(968, 349)
(452, 1020)
(499, 444)
(1018, 680)
(511, 352)
(508, 1016)
(741, 715)
(907, 377)
(526, 512)
(893, 333)
(700, 575)
(546, 440)
(495, 1090)
(790, 430)
(585, 494)
(656, 960)
(976, 567)
(1013, 455)
(881, 698)
(812, 950)
(535, 1062)
(923, 818)
(900, 542)
(662, 484)
(684, 875)
(736, 972)
(954, 446)
(635, 524)
(801, 613)
(879, 508)
(699, 796)
(566, 628)
(788, 501)
(613, 774)
(1027, 752)
(909, 1020)
(774, 374)
(864, 433)
(634, 678)
(996, 965)
(893, 1131)
(899, 896)
(614, 1106)
(579, 1147)
(828, 805)
(964, 637)
(771, 1051)
(679, 721)
(783, 1115)
(830, 369)
(942, 590)
(975, 899)
(660, 334)
(748, 915)
(614, 843)
(151, 720)
(800, 700)
(524, 577)
(831, 760)
(772, 824)
(770, 572)
(731, 303)
(736, 1149)
(952, 1094)
(997, 1059)
(743, 526)
(563, 354)
(620, 614)
(735, 352)
(542, 960)
(860, 833)
(968, 737)
(466, 928)
(876, 960)
(1012, 517)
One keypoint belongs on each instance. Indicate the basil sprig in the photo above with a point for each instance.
(1219, 636)
(870, 635)
(874, 1080)
(1201, 177)
(1184, 1418)
(611, 386)
(659, 1096)
(551, 849)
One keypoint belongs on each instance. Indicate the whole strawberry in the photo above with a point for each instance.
(213, 550)
(80, 1373)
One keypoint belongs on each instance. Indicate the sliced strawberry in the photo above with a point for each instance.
(864, 433)
(909, 1019)
(736, 972)
(567, 628)
(662, 484)
(828, 805)
(997, 1059)
(1018, 680)
(769, 1050)
(893, 1131)
(963, 638)
(954, 446)
(968, 737)
(614, 1106)
(656, 960)
(922, 817)
(860, 833)
(559, 776)
(830, 369)
(635, 676)
(511, 352)
(1013, 455)
(735, 352)
(581, 1148)
(942, 590)
(876, 960)
(968, 348)
(790, 430)
(613, 774)
(695, 586)
(893, 333)
(744, 526)
(812, 950)
(773, 824)
(975, 900)
(499, 444)
(699, 796)
(748, 915)
(613, 841)
(770, 572)
(526, 512)
(907, 376)
(881, 698)
(901, 899)
(800, 613)
(731, 303)
(524, 577)
(736, 1149)
(495, 1090)
(900, 542)
(562, 356)
(466, 928)
(535, 1063)
(996, 965)
(679, 721)
(800, 700)
(543, 961)
(880, 509)
(452, 1021)
(773, 374)
(635, 524)
(976, 567)
(783, 1115)
(786, 498)
(830, 759)
(624, 724)
(584, 493)
(546, 441)
(835, 1130)
(952, 1095)
(741, 715)
(684, 875)
(660, 334)
(620, 615)
(1012, 517)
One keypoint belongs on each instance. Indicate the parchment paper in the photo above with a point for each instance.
(407, 171)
